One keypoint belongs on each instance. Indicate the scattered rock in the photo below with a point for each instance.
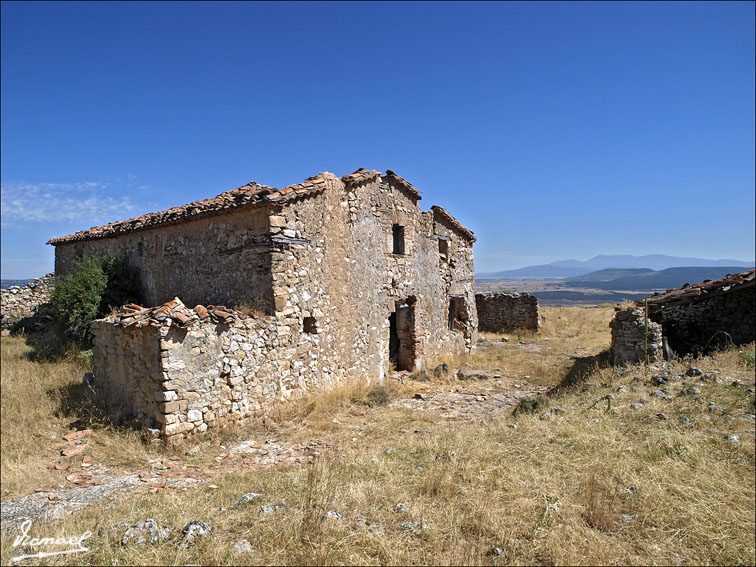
(195, 529)
(545, 415)
(270, 508)
(716, 408)
(660, 379)
(750, 416)
(247, 498)
(390, 450)
(684, 420)
(194, 450)
(414, 527)
(732, 438)
(333, 515)
(62, 464)
(662, 416)
(401, 507)
(628, 518)
(636, 405)
(658, 394)
(441, 371)
(496, 552)
(242, 546)
(512, 426)
(420, 396)
(621, 389)
(690, 391)
(472, 375)
(737, 383)
(711, 375)
(632, 489)
(147, 531)
(693, 371)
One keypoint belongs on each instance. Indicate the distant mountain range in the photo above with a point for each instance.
(572, 268)
(645, 279)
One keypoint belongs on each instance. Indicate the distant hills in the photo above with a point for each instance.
(653, 262)
(645, 279)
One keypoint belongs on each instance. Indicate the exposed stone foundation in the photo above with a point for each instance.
(634, 337)
(503, 312)
(21, 301)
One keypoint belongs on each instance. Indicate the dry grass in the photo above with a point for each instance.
(587, 486)
(567, 334)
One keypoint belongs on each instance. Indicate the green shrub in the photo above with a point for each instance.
(531, 405)
(95, 286)
(378, 396)
(748, 357)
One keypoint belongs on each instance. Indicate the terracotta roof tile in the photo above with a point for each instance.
(722, 285)
(403, 183)
(172, 312)
(360, 176)
(249, 195)
(444, 214)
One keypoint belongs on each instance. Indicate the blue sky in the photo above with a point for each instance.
(552, 130)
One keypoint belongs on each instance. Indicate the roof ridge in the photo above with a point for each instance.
(446, 215)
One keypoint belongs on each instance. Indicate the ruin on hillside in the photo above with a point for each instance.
(326, 280)
(694, 319)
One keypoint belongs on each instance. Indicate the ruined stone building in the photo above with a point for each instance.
(338, 277)
(694, 319)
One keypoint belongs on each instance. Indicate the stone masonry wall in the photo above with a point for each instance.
(705, 323)
(224, 260)
(629, 340)
(184, 380)
(21, 301)
(336, 288)
(503, 312)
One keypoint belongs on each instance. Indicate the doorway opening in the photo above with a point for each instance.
(402, 338)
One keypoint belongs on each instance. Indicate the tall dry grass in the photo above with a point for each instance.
(591, 484)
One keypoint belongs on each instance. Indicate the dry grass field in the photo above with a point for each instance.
(585, 479)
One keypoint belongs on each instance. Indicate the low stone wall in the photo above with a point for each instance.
(20, 301)
(634, 337)
(502, 312)
(182, 381)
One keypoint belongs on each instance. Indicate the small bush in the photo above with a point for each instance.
(748, 357)
(378, 396)
(94, 287)
(531, 405)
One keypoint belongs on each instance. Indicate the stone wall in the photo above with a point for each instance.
(505, 312)
(707, 322)
(634, 337)
(21, 301)
(184, 380)
(223, 260)
(343, 303)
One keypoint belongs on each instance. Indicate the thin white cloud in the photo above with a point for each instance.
(85, 202)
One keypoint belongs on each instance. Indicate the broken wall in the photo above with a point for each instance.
(505, 312)
(635, 338)
(18, 302)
